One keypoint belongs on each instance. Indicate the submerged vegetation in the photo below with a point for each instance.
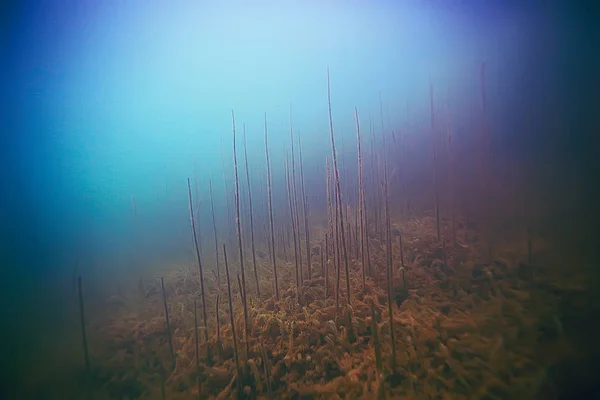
(420, 279)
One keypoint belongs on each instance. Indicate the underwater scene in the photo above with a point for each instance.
(299, 200)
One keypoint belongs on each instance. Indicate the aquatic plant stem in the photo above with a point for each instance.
(337, 256)
(169, 337)
(305, 207)
(390, 276)
(376, 344)
(452, 184)
(195, 236)
(239, 233)
(366, 233)
(339, 205)
(251, 215)
(329, 231)
(321, 254)
(435, 177)
(212, 207)
(266, 368)
(295, 200)
(231, 319)
(86, 354)
(360, 200)
(402, 258)
(219, 342)
(273, 254)
(196, 350)
(290, 203)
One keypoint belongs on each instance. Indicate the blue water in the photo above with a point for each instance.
(105, 102)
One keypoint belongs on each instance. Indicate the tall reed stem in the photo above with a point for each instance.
(239, 234)
(273, 254)
(169, 337)
(305, 207)
(290, 203)
(360, 201)
(390, 273)
(231, 319)
(86, 354)
(199, 261)
(376, 344)
(295, 200)
(435, 177)
(196, 350)
(212, 207)
(339, 192)
(251, 216)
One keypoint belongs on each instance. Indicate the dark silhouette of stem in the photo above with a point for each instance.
(169, 337)
(295, 200)
(402, 258)
(239, 232)
(212, 207)
(435, 178)
(273, 256)
(199, 262)
(376, 344)
(231, 319)
(251, 215)
(339, 193)
(360, 200)
(86, 354)
(290, 203)
(197, 352)
(390, 272)
(305, 206)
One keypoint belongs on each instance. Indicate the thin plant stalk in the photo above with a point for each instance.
(326, 247)
(452, 184)
(329, 231)
(86, 354)
(376, 193)
(273, 257)
(402, 258)
(266, 368)
(390, 276)
(485, 155)
(295, 199)
(357, 227)
(337, 256)
(322, 265)
(360, 200)
(219, 343)
(376, 345)
(339, 193)
(231, 319)
(169, 337)
(229, 219)
(197, 352)
(367, 244)
(435, 177)
(305, 206)
(242, 295)
(212, 207)
(290, 203)
(239, 233)
(251, 215)
(199, 262)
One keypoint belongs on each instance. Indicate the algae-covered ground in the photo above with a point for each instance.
(467, 325)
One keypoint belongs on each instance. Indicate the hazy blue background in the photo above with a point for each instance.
(102, 100)
(113, 99)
